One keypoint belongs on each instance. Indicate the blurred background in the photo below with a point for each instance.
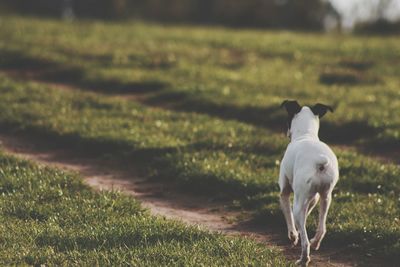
(378, 16)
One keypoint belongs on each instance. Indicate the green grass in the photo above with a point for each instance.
(49, 217)
(203, 109)
(240, 75)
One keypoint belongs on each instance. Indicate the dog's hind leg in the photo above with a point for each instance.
(300, 206)
(323, 212)
(287, 210)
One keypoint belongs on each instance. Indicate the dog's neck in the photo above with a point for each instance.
(300, 135)
(306, 126)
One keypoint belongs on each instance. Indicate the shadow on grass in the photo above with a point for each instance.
(155, 93)
(76, 77)
(272, 117)
(358, 65)
(350, 72)
(47, 71)
(15, 60)
(268, 117)
(154, 61)
(347, 78)
(164, 164)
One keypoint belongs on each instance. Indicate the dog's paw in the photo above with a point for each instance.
(293, 237)
(314, 244)
(303, 262)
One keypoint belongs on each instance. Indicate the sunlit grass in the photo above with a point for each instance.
(49, 217)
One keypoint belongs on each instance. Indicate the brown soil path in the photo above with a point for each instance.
(163, 199)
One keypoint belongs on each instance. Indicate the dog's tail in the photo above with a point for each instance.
(322, 163)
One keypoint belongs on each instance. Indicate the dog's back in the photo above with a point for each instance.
(311, 163)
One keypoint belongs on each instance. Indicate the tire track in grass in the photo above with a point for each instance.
(164, 199)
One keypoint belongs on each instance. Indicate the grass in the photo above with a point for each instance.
(222, 72)
(199, 106)
(49, 217)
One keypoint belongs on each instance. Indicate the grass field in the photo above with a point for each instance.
(49, 217)
(200, 107)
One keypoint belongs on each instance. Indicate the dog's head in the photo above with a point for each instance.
(304, 120)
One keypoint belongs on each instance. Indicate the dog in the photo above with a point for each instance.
(310, 170)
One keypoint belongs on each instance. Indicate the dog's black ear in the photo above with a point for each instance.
(291, 106)
(321, 109)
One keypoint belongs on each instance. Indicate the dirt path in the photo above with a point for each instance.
(162, 199)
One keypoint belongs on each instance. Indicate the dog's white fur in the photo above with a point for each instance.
(309, 168)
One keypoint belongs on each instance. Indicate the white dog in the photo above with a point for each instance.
(309, 168)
